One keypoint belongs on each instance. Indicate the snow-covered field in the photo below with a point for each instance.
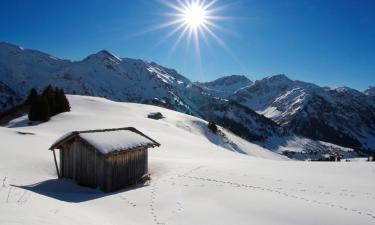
(197, 177)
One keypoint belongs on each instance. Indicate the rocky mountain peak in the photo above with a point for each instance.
(102, 56)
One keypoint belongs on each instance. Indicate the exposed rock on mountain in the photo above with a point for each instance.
(342, 116)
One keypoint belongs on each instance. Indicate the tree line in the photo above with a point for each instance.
(51, 102)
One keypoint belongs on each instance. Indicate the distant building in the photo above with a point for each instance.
(110, 159)
(155, 116)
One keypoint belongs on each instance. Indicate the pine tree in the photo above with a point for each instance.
(64, 101)
(39, 110)
(212, 126)
(32, 96)
(52, 102)
(61, 101)
(50, 94)
(47, 90)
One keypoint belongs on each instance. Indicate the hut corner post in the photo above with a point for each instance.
(57, 167)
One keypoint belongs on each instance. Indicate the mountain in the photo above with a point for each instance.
(122, 79)
(101, 74)
(133, 80)
(8, 97)
(370, 91)
(225, 86)
(343, 116)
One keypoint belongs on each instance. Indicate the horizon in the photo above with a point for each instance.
(328, 43)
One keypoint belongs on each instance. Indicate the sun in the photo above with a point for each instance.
(194, 15)
(194, 21)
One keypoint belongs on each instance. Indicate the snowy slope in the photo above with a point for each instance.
(122, 79)
(342, 116)
(370, 91)
(101, 74)
(106, 75)
(195, 179)
(132, 80)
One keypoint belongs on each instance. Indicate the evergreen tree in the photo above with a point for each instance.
(50, 94)
(212, 126)
(47, 90)
(64, 101)
(61, 101)
(52, 102)
(32, 96)
(39, 110)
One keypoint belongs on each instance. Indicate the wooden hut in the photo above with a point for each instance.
(110, 159)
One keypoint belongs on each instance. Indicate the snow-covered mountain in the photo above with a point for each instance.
(225, 86)
(132, 80)
(342, 116)
(370, 91)
(8, 97)
(101, 74)
(122, 79)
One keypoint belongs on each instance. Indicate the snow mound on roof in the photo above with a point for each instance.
(115, 141)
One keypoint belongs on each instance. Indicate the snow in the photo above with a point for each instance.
(370, 91)
(103, 74)
(225, 86)
(304, 148)
(293, 104)
(197, 177)
(113, 141)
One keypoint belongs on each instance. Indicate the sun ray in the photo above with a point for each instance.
(170, 34)
(195, 21)
(178, 40)
(218, 39)
(173, 6)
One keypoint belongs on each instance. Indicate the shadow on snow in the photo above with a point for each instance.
(69, 191)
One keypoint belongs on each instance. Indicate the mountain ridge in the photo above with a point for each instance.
(105, 75)
(342, 115)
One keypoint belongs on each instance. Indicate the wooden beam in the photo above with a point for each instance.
(57, 167)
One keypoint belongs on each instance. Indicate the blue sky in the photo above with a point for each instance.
(328, 42)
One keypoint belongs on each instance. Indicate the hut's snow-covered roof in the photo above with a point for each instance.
(110, 141)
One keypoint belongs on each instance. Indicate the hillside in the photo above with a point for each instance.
(343, 116)
(197, 177)
(133, 80)
(106, 75)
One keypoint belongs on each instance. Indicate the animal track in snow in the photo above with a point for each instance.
(24, 198)
(277, 191)
(127, 201)
(152, 206)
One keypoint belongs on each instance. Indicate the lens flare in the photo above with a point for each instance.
(193, 20)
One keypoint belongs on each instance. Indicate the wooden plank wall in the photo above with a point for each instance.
(80, 162)
(127, 168)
